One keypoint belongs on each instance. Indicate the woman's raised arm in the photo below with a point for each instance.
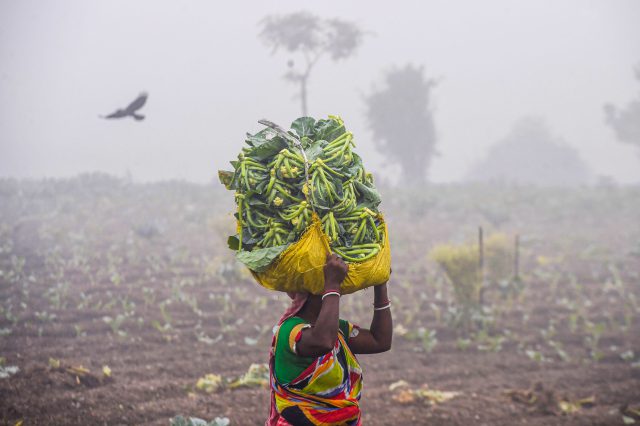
(320, 339)
(378, 338)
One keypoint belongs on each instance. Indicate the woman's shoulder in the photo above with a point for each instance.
(289, 330)
(293, 321)
(298, 324)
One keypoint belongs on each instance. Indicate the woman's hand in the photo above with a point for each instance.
(335, 271)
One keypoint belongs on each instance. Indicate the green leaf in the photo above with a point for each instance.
(353, 168)
(315, 150)
(179, 421)
(233, 242)
(328, 129)
(304, 126)
(260, 138)
(226, 178)
(259, 260)
(255, 200)
(268, 149)
(369, 197)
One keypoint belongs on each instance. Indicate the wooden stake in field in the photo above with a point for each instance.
(516, 258)
(481, 264)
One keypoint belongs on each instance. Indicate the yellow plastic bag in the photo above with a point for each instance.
(300, 267)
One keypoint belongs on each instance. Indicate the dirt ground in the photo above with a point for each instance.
(137, 278)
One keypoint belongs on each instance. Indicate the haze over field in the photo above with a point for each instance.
(210, 78)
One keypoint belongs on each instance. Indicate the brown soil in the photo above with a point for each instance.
(87, 258)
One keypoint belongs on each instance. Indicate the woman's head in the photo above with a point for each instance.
(298, 301)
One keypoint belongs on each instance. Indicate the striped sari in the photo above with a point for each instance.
(326, 393)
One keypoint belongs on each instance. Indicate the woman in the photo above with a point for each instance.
(315, 376)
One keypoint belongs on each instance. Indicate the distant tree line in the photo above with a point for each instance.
(625, 122)
(400, 112)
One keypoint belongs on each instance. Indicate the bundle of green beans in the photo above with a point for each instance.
(281, 178)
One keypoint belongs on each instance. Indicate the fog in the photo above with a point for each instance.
(210, 78)
(504, 138)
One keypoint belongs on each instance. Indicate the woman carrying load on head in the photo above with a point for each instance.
(315, 376)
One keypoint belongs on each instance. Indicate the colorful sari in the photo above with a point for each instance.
(325, 393)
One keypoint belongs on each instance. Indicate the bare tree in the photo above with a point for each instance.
(626, 122)
(401, 119)
(309, 37)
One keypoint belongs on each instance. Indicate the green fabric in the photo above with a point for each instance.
(289, 365)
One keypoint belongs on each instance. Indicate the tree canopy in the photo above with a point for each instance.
(531, 154)
(310, 38)
(400, 116)
(626, 121)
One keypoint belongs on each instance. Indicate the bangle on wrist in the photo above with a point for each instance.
(383, 303)
(382, 308)
(330, 293)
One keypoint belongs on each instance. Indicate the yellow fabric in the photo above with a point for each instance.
(294, 333)
(300, 267)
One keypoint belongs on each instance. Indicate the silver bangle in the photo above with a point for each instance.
(382, 308)
(329, 293)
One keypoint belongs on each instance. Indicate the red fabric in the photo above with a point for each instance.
(297, 302)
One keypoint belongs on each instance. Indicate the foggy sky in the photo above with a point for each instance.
(210, 79)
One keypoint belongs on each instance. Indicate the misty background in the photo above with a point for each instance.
(210, 78)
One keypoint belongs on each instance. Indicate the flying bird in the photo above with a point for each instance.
(130, 111)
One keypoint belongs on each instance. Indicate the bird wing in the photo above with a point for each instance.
(137, 104)
(117, 114)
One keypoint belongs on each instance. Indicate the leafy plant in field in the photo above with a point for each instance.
(410, 312)
(227, 303)
(112, 301)
(209, 383)
(630, 308)
(115, 324)
(257, 375)
(79, 331)
(45, 316)
(166, 317)
(128, 306)
(195, 421)
(7, 371)
(627, 355)
(461, 266)
(437, 312)
(489, 343)
(16, 271)
(463, 343)
(426, 337)
(84, 300)
(592, 341)
(536, 356)
(550, 332)
(204, 338)
(499, 262)
(260, 303)
(557, 346)
(9, 314)
(149, 296)
(429, 340)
